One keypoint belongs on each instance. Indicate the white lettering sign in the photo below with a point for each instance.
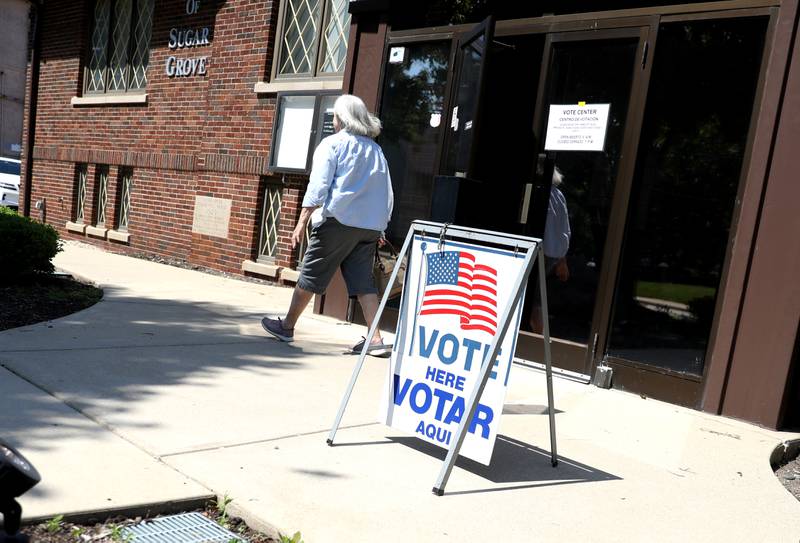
(185, 67)
(456, 293)
(178, 39)
(187, 38)
(577, 127)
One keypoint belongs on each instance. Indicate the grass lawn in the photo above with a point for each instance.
(673, 292)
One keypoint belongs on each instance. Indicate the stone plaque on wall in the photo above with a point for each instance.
(211, 216)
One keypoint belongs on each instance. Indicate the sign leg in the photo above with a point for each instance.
(349, 391)
(547, 357)
(486, 370)
(372, 327)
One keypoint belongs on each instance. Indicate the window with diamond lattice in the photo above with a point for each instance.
(270, 221)
(312, 39)
(80, 191)
(124, 184)
(101, 190)
(120, 46)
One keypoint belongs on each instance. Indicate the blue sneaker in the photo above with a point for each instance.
(275, 327)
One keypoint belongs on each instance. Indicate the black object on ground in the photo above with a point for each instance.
(17, 476)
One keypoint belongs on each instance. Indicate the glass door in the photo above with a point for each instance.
(584, 69)
(474, 49)
(647, 215)
(413, 115)
(418, 121)
(693, 143)
(412, 108)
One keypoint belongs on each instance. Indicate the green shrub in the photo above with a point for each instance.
(26, 246)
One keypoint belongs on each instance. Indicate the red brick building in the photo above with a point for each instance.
(184, 129)
(122, 163)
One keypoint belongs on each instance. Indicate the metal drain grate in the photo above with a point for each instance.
(185, 528)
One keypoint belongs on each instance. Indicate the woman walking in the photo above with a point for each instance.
(349, 201)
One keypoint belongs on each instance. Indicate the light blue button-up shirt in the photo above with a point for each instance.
(350, 182)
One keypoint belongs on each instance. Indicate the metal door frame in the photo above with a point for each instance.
(427, 35)
(686, 388)
(583, 358)
(647, 20)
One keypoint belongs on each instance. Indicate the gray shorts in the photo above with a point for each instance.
(334, 245)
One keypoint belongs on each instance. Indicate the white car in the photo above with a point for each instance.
(9, 182)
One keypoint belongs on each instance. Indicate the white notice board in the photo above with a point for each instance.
(456, 295)
(294, 131)
(577, 127)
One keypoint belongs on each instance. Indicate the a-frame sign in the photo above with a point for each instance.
(459, 317)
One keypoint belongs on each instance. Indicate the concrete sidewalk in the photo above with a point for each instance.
(168, 389)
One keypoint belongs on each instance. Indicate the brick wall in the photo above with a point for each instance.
(196, 136)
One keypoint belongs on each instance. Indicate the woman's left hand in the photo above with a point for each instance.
(300, 230)
(298, 235)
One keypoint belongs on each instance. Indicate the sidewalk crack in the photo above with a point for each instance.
(265, 440)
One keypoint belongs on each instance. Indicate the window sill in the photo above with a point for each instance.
(290, 275)
(116, 235)
(109, 100)
(267, 270)
(262, 87)
(96, 231)
(76, 227)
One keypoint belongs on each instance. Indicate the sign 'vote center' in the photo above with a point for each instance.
(577, 127)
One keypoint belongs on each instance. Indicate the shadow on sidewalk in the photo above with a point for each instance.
(515, 461)
(107, 360)
(515, 464)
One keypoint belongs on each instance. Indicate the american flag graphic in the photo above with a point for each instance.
(457, 285)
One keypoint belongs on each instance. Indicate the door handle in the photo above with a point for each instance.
(645, 50)
(540, 195)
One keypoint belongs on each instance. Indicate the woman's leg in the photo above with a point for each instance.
(369, 305)
(300, 299)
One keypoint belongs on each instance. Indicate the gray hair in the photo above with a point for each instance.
(355, 118)
(558, 177)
